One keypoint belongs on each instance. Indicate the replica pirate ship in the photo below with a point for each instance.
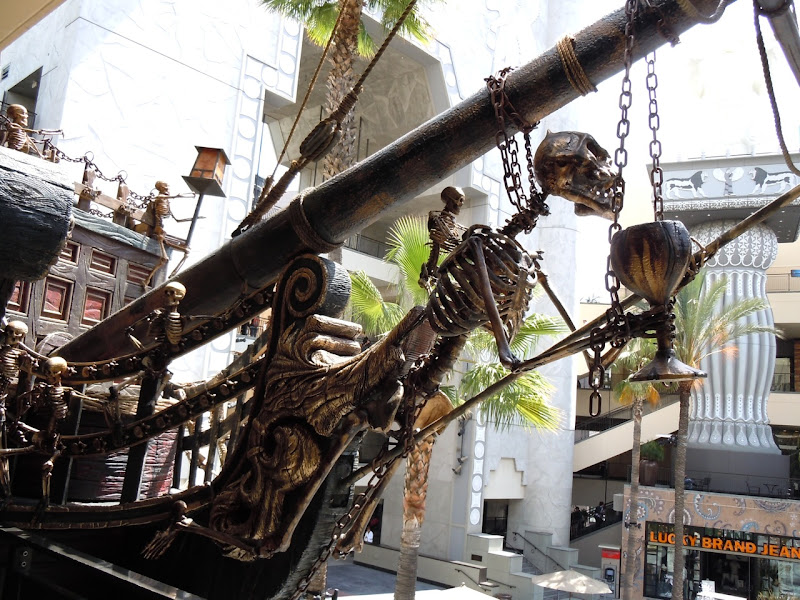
(283, 502)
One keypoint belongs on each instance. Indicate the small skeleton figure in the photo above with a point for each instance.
(10, 353)
(17, 137)
(153, 223)
(173, 322)
(165, 325)
(52, 400)
(11, 356)
(444, 232)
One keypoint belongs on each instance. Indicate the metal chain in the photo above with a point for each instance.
(654, 120)
(135, 201)
(615, 315)
(509, 150)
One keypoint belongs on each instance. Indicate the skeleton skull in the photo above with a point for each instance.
(572, 165)
(16, 332)
(18, 114)
(174, 292)
(55, 367)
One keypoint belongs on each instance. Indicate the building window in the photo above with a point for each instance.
(96, 306)
(19, 297)
(782, 377)
(57, 296)
(102, 262)
(70, 253)
(138, 274)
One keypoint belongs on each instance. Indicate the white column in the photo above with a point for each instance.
(730, 409)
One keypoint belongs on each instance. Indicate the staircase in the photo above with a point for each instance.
(602, 445)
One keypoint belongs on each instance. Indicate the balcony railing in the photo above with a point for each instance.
(752, 485)
(369, 246)
(782, 282)
(584, 522)
(588, 427)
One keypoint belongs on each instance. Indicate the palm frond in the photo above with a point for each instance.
(409, 250)
(366, 45)
(526, 397)
(370, 310)
(534, 327)
(299, 10)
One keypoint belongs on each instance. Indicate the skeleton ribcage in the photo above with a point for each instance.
(162, 206)
(10, 362)
(16, 139)
(456, 306)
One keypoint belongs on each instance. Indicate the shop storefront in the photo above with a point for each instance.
(748, 564)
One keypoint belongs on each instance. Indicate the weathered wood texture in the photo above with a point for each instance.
(36, 217)
(347, 203)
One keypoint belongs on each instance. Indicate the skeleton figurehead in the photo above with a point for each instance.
(574, 166)
(15, 333)
(18, 114)
(54, 368)
(174, 293)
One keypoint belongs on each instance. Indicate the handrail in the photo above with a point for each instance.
(597, 424)
(547, 556)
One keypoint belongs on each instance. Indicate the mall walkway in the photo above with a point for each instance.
(357, 580)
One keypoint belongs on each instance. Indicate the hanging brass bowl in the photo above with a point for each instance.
(651, 260)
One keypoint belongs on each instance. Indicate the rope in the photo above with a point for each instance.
(572, 66)
(303, 228)
(691, 11)
(308, 93)
(385, 44)
(771, 91)
(321, 139)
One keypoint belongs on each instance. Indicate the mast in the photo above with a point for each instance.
(342, 206)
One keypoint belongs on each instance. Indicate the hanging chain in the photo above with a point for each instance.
(654, 120)
(615, 316)
(135, 201)
(509, 151)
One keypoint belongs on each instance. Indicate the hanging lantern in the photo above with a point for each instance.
(208, 171)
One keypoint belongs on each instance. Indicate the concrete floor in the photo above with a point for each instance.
(368, 583)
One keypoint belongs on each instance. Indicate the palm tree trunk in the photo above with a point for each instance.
(630, 548)
(340, 81)
(416, 491)
(684, 390)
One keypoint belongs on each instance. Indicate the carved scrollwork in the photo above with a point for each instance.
(317, 392)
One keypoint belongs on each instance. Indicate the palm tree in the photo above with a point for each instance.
(524, 400)
(350, 40)
(704, 327)
(637, 354)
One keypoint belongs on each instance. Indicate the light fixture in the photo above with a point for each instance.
(206, 178)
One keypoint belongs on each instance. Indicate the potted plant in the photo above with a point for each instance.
(651, 454)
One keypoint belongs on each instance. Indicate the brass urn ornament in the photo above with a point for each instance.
(651, 260)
